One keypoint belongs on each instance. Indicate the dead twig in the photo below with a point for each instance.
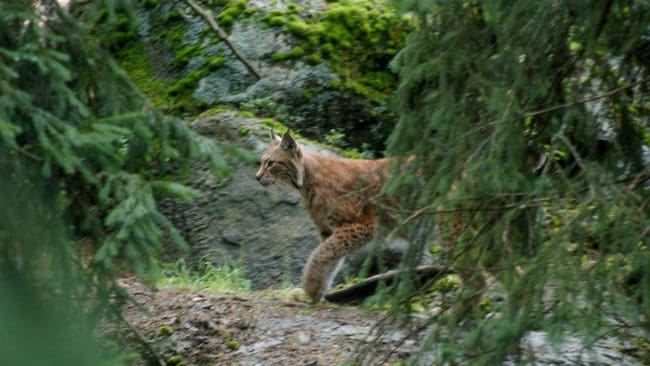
(207, 15)
(368, 286)
(586, 100)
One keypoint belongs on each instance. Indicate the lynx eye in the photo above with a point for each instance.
(269, 164)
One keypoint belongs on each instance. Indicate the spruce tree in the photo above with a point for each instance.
(80, 141)
(528, 125)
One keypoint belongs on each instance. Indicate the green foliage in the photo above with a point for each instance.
(526, 123)
(113, 29)
(150, 4)
(41, 323)
(101, 149)
(226, 278)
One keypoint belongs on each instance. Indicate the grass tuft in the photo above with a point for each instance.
(206, 276)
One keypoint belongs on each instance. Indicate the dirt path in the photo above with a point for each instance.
(263, 328)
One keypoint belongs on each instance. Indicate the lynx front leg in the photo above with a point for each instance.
(326, 259)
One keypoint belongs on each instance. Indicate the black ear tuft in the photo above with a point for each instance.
(273, 137)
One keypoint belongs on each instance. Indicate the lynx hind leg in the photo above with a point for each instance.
(329, 280)
(326, 260)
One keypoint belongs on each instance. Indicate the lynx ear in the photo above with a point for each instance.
(288, 143)
(273, 136)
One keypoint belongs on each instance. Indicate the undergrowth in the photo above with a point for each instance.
(228, 277)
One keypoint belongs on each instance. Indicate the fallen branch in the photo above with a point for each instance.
(207, 15)
(367, 287)
(143, 341)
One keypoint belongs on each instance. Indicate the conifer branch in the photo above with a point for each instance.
(207, 15)
(585, 100)
(427, 210)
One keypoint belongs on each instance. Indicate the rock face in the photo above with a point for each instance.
(268, 230)
(300, 94)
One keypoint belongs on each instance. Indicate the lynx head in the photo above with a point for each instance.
(282, 162)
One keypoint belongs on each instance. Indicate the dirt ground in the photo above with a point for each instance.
(261, 328)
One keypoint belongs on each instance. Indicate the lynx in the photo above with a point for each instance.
(340, 195)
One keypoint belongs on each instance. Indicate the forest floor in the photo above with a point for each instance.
(261, 328)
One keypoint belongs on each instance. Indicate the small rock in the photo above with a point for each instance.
(304, 338)
(265, 344)
(232, 235)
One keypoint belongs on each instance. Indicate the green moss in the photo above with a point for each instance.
(173, 36)
(175, 360)
(314, 58)
(447, 284)
(185, 54)
(279, 127)
(226, 19)
(164, 331)
(134, 60)
(296, 52)
(233, 345)
(327, 48)
(352, 154)
(214, 110)
(357, 38)
(269, 122)
(232, 11)
(485, 307)
(382, 81)
(246, 114)
(274, 20)
(358, 88)
(214, 62)
(243, 131)
(299, 28)
(186, 84)
(174, 96)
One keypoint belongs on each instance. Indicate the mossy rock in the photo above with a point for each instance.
(357, 39)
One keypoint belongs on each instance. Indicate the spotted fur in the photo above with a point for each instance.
(340, 195)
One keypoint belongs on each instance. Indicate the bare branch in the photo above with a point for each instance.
(207, 15)
(367, 287)
(586, 100)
